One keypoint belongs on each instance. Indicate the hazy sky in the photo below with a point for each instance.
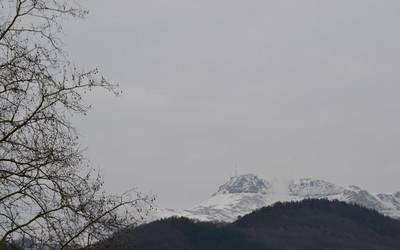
(280, 88)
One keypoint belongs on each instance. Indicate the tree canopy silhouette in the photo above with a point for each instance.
(49, 195)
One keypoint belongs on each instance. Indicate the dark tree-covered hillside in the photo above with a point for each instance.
(308, 225)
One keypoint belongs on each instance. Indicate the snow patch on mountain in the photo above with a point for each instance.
(249, 183)
(309, 188)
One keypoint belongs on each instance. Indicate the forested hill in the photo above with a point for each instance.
(308, 225)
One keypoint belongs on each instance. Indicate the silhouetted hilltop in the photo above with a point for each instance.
(308, 224)
(320, 224)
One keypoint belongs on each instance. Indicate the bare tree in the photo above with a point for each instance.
(49, 196)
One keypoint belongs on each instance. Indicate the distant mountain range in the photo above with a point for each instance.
(312, 224)
(246, 193)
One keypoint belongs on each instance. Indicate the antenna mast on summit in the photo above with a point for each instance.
(236, 170)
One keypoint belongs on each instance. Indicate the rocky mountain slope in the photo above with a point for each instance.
(245, 193)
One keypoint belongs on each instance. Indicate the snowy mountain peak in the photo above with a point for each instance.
(243, 194)
(248, 183)
(311, 188)
(355, 188)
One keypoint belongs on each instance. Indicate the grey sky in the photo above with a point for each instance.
(282, 88)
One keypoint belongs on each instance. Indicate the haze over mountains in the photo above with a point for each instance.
(245, 193)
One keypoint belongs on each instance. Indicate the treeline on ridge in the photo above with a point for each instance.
(308, 224)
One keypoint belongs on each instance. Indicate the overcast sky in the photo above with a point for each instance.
(280, 88)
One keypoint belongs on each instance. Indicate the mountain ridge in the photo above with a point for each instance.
(243, 194)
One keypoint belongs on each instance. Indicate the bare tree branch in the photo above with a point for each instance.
(49, 196)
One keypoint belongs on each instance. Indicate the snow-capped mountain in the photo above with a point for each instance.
(245, 193)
